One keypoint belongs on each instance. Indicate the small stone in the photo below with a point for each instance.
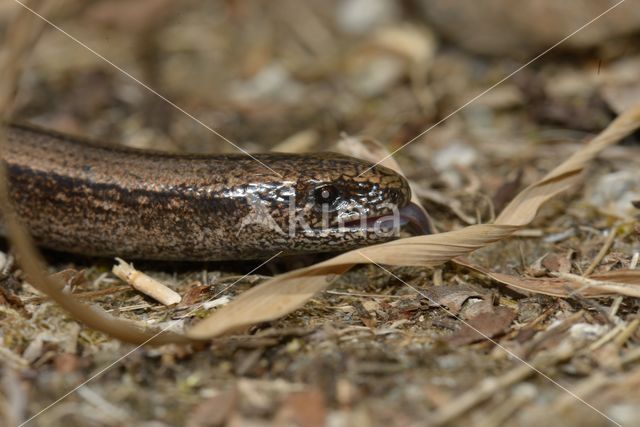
(615, 193)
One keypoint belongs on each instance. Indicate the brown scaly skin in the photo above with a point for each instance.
(84, 198)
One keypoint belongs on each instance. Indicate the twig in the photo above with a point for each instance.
(584, 389)
(630, 356)
(601, 253)
(634, 260)
(615, 306)
(606, 338)
(83, 295)
(145, 284)
(491, 386)
(629, 330)
(362, 295)
(522, 394)
(614, 287)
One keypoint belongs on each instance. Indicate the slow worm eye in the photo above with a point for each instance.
(326, 195)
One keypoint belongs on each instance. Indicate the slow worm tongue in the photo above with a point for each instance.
(412, 216)
(415, 217)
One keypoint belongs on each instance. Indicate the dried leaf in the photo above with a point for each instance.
(620, 282)
(507, 191)
(261, 304)
(452, 296)
(557, 263)
(194, 294)
(70, 277)
(485, 324)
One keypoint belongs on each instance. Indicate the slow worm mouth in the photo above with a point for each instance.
(410, 216)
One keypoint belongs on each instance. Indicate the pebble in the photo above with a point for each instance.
(613, 193)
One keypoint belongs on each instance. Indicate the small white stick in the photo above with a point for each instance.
(145, 284)
(634, 261)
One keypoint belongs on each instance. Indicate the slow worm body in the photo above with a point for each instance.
(81, 197)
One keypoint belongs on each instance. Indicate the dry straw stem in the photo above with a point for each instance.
(287, 292)
(145, 284)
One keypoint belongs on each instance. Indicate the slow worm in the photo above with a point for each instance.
(78, 196)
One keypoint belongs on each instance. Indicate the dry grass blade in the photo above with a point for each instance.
(524, 206)
(289, 291)
(621, 282)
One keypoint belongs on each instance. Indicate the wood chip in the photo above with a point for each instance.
(145, 284)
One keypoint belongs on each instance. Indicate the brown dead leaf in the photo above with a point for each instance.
(507, 191)
(475, 308)
(619, 282)
(536, 269)
(366, 318)
(487, 322)
(70, 277)
(9, 297)
(557, 263)
(194, 294)
(452, 296)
